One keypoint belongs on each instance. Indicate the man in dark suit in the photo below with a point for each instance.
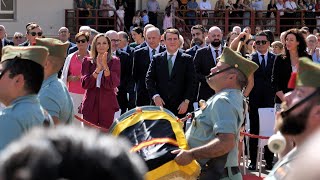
(126, 68)
(124, 46)
(205, 59)
(170, 77)
(141, 60)
(64, 35)
(262, 94)
(144, 44)
(199, 34)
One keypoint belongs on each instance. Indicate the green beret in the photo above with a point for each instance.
(308, 73)
(37, 54)
(232, 58)
(55, 46)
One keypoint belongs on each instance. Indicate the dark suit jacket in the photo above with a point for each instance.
(141, 61)
(8, 42)
(144, 44)
(192, 51)
(172, 89)
(262, 93)
(203, 62)
(126, 67)
(281, 73)
(71, 45)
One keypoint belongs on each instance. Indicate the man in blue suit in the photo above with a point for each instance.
(262, 94)
(170, 77)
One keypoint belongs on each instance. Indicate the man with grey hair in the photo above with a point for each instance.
(205, 59)
(312, 49)
(126, 69)
(64, 36)
(141, 60)
(4, 41)
(144, 35)
(85, 29)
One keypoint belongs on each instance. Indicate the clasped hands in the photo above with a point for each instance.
(102, 64)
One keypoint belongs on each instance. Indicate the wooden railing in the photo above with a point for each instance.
(225, 19)
(95, 18)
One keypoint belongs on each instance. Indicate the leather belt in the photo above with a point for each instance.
(234, 170)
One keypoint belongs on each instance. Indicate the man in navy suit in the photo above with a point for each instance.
(126, 68)
(205, 59)
(199, 34)
(262, 94)
(124, 46)
(141, 60)
(170, 77)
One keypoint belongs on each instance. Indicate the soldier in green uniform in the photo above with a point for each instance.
(21, 76)
(300, 116)
(54, 95)
(214, 134)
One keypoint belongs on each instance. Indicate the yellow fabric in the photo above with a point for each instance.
(153, 115)
(172, 170)
(169, 170)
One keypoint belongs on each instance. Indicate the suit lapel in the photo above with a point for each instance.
(270, 61)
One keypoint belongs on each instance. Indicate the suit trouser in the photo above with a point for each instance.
(253, 142)
(122, 100)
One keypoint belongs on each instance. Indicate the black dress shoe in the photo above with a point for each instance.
(252, 167)
(268, 166)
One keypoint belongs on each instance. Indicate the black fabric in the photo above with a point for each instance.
(157, 154)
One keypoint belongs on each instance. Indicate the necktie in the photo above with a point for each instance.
(170, 65)
(217, 55)
(263, 63)
(153, 52)
(1, 48)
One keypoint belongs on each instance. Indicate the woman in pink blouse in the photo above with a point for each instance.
(100, 76)
(71, 72)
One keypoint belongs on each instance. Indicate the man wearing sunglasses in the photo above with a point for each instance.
(21, 76)
(33, 31)
(299, 117)
(261, 95)
(214, 132)
(54, 95)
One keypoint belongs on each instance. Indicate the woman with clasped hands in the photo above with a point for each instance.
(100, 76)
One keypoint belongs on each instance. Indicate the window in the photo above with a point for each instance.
(7, 9)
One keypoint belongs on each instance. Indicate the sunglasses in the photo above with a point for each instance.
(34, 33)
(82, 41)
(218, 72)
(18, 37)
(261, 42)
(286, 113)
